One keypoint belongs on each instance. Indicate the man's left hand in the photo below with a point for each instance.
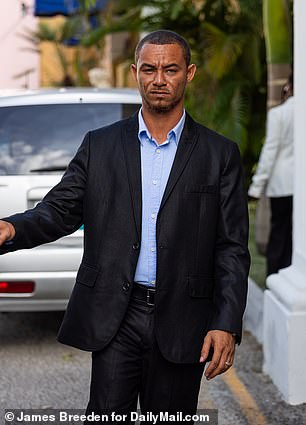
(223, 344)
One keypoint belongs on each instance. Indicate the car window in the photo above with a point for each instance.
(37, 137)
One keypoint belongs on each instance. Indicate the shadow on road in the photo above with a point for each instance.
(29, 327)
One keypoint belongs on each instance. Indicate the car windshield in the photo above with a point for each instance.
(35, 138)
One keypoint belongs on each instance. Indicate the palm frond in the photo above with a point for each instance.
(62, 58)
(230, 111)
(222, 50)
(250, 60)
(72, 27)
(45, 33)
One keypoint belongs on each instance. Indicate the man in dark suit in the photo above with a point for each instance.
(162, 285)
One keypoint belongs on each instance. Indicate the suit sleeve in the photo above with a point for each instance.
(232, 258)
(267, 156)
(59, 213)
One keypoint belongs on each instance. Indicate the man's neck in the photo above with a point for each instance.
(159, 124)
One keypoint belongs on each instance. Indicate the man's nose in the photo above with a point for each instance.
(159, 79)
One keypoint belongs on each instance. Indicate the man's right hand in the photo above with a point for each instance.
(7, 232)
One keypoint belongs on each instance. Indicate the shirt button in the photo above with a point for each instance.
(153, 215)
(157, 150)
(153, 282)
(153, 249)
(154, 181)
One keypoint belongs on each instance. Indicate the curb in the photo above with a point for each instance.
(253, 316)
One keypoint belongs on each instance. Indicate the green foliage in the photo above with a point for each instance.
(70, 28)
(226, 38)
(60, 34)
(85, 5)
(278, 30)
(222, 51)
(258, 268)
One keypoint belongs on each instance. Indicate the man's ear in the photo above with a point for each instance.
(191, 70)
(133, 69)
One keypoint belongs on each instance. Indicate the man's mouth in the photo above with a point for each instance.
(159, 92)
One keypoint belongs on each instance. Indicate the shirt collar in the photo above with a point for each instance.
(174, 134)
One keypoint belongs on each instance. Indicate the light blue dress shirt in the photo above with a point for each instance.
(156, 163)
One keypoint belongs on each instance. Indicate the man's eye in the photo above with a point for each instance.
(171, 71)
(148, 70)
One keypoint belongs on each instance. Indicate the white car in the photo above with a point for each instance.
(40, 132)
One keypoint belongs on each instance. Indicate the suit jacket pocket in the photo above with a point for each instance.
(201, 286)
(200, 188)
(87, 275)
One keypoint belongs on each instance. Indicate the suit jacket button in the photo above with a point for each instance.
(136, 246)
(126, 286)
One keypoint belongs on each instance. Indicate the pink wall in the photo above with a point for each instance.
(13, 59)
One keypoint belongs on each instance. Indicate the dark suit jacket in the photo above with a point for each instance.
(202, 233)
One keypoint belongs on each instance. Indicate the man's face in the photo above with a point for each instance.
(162, 74)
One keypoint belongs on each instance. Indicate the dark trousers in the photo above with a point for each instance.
(279, 250)
(132, 365)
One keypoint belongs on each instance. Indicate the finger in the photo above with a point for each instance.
(206, 348)
(226, 363)
(226, 355)
(231, 357)
(214, 363)
(224, 349)
(222, 367)
(230, 349)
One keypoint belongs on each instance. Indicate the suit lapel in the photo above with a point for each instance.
(185, 147)
(131, 146)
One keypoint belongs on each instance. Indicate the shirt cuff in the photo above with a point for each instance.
(254, 192)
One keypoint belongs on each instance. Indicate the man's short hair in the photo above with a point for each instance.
(164, 37)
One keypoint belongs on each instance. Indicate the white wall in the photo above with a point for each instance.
(15, 60)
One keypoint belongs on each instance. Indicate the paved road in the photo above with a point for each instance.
(37, 372)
